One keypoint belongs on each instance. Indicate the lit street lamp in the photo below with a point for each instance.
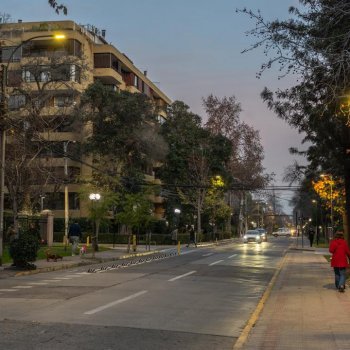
(3, 117)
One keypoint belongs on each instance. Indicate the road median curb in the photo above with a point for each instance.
(255, 316)
(85, 262)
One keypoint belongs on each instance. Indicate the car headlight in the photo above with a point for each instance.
(245, 237)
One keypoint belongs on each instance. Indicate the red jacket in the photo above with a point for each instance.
(340, 252)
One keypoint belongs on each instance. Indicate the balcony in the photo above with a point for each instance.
(108, 76)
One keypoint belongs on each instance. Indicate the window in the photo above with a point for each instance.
(6, 52)
(63, 101)
(136, 81)
(161, 119)
(16, 101)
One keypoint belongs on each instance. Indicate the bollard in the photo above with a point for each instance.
(87, 241)
(178, 248)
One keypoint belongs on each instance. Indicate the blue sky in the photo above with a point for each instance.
(191, 48)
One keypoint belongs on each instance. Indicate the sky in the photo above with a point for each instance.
(190, 49)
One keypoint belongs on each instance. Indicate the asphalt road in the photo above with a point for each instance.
(198, 300)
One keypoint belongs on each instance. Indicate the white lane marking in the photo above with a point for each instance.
(38, 283)
(62, 278)
(232, 256)
(51, 280)
(8, 290)
(113, 303)
(73, 276)
(187, 252)
(216, 262)
(208, 254)
(83, 273)
(23, 287)
(184, 275)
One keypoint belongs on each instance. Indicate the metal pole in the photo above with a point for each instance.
(66, 198)
(3, 113)
(331, 177)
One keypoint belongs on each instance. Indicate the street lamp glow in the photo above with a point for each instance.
(94, 196)
(177, 211)
(59, 36)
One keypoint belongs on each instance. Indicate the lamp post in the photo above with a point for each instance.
(66, 194)
(3, 116)
(331, 188)
(94, 197)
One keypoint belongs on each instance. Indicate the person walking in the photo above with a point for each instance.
(74, 235)
(192, 238)
(340, 254)
(311, 236)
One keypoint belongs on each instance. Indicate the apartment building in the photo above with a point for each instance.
(29, 50)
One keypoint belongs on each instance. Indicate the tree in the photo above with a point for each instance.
(58, 7)
(124, 137)
(195, 155)
(135, 211)
(313, 44)
(33, 116)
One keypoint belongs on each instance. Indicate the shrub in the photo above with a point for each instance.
(24, 250)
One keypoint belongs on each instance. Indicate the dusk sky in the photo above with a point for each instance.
(190, 48)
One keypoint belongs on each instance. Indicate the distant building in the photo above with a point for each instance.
(24, 42)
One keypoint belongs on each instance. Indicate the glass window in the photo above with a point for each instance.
(16, 101)
(6, 52)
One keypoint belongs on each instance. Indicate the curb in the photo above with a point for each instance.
(81, 263)
(255, 316)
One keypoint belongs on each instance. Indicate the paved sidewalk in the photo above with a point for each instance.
(303, 310)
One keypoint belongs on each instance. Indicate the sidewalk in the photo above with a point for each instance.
(117, 253)
(302, 310)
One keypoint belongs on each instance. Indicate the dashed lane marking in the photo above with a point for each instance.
(38, 283)
(113, 303)
(216, 262)
(184, 275)
(8, 290)
(232, 256)
(51, 280)
(23, 287)
(208, 254)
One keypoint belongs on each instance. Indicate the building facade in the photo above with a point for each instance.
(59, 71)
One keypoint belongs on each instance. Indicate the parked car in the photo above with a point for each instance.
(263, 234)
(252, 236)
(282, 232)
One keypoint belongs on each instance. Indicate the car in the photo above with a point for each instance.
(252, 236)
(282, 232)
(263, 234)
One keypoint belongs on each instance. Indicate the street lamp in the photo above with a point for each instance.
(94, 197)
(3, 116)
(66, 194)
(331, 187)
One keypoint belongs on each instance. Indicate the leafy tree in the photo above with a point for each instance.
(135, 211)
(124, 138)
(58, 7)
(99, 210)
(195, 155)
(313, 44)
